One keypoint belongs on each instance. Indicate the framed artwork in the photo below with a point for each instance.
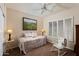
(29, 24)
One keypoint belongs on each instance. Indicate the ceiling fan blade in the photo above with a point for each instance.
(47, 7)
(43, 6)
(51, 6)
(37, 9)
(60, 5)
(42, 11)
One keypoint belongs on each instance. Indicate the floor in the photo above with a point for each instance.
(44, 50)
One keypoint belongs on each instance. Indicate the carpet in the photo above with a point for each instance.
(44, 50)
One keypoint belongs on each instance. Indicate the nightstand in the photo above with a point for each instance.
(6, 46)
(10, 44)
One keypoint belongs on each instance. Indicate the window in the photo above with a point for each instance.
(50, 28)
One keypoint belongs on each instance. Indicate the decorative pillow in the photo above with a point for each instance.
(27, 35)
(30, 34)
(34, 34)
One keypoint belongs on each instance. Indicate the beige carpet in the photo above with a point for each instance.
(41, 51)
(45, 50)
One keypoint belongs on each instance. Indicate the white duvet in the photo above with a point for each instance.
(24, 39)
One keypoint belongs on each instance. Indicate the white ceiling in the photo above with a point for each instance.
(35, 8)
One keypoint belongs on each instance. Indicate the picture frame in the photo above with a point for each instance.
(29, 24)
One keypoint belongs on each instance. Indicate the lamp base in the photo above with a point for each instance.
(9, 37)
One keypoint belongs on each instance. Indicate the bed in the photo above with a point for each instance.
(30, 42)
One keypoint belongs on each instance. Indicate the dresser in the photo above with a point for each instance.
(76, 49)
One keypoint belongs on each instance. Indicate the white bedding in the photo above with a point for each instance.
(31, 42)
(24, 39)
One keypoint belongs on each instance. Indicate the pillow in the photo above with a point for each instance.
(27, 34)
(30, 34)
(34, 34)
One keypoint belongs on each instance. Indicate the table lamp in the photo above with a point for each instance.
(10, 32)
(43, 31)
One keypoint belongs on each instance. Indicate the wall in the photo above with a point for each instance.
(64, 14)
(14, 22)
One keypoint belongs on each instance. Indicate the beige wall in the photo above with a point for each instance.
(64, 14)
(14, 21)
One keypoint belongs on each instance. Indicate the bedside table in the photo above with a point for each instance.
(10, 44)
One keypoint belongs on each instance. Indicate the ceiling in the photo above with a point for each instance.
(35, 8)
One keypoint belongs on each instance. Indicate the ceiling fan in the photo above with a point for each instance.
(47, 7)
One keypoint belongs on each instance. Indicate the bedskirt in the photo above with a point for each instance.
(31, 44)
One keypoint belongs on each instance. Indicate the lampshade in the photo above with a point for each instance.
(43, 30)
(9, 31)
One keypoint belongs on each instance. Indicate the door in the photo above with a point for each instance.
(69, 32)
(60, 29)
(50, 28)
(1, 32)
(55, 38)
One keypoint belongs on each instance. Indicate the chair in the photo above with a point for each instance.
(62, 43)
